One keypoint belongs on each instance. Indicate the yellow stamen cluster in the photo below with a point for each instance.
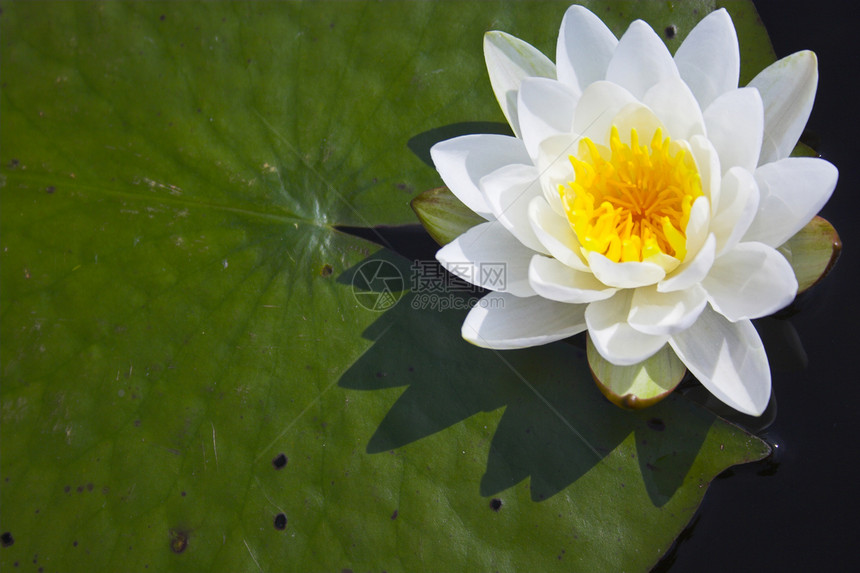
(634, 204)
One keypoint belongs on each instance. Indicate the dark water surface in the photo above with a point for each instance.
(800, 511)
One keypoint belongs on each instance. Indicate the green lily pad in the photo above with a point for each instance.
(182, 340)
(544, 444)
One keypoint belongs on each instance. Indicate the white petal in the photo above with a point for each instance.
(487, 255)
(676, 106)
(708, 163)
(504, 321)
(509, 61)
(545, 108)
(735, 122)
(640, 60)
(613, 338)
(554, 233)
(787, 89)
(738, 205)
(554, 165)
(666, 262)
(698, 226)
(463, 161)
(728, 358)
(637, 116)
(556, 281)
(597, 108)
(791, 192)
(585, 46)
(624, 275)
(750, 281)
(508, 191)
(693, 271)
(654, 312)
(708, 59)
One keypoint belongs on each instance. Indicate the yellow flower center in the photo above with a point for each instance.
(636, 203)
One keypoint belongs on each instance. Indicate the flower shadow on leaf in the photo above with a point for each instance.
(556, 426)
(420, 144)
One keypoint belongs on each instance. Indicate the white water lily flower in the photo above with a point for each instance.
(642, 198)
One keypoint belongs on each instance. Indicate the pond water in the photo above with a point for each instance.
(796, 512)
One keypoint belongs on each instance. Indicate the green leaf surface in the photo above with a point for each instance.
(178, 310)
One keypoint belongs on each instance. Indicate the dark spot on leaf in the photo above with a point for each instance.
(74, 543)
(161, 17)
(80, 489)
(280, 522)
(6, 539)
(137, 423)
(380, 374)
(326, 270)
(13, 163)
(394, 515)
(651, 466)
(671, 31)
(280, 461)
(178, 540)
(50, 189)
(90, 487)
(656, 424)
(67, 489)
(183, 494)
(495, 504)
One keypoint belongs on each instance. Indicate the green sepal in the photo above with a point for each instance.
(812, 252)
(639, 385)
(443, 215)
